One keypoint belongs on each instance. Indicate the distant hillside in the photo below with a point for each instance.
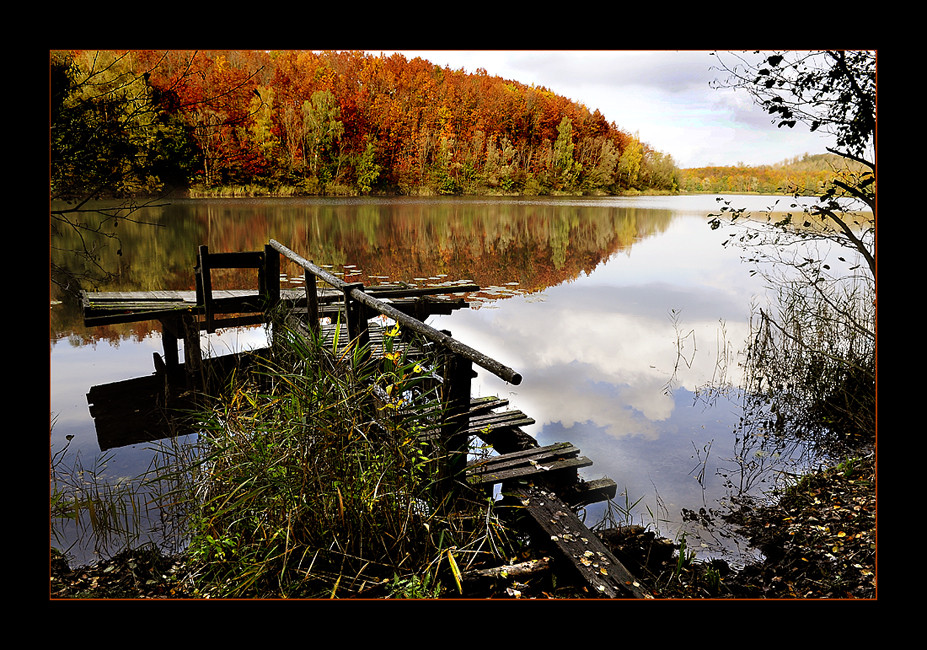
(810, 172)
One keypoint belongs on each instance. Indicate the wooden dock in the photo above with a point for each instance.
(541, 484)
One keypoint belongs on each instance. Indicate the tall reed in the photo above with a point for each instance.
(317, 475)
(90, 514)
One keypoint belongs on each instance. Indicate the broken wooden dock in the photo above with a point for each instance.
(540, 483)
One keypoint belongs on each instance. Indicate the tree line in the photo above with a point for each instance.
(317, 123)
(807, 175)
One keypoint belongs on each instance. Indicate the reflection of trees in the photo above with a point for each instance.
(535, 243)
(113, 135)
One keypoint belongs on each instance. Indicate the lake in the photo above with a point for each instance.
(617, 312)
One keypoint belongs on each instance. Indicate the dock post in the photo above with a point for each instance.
(269, 285)
(312, 302)
(193, 355)
(457, 377)
(204, 286)
(355, 312)
(170, 334)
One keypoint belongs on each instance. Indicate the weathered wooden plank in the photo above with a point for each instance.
(488, 428)
(138, 307)
(131, 317)
(236, 260)
(104, 307)
(528, 470)
(585, 492)
(391, 292)
(492, 421)
(384, 291)
(498, 416)
(565, 448)
(577, 546)
(524, 464)
(325, 295)
(480, 404)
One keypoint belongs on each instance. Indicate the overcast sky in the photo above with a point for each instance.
(663, 96)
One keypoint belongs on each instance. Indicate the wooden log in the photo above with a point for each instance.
(505, 572)
(455, 346)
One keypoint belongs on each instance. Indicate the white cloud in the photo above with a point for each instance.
(663, 96)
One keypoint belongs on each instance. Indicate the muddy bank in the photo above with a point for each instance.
(818, 539)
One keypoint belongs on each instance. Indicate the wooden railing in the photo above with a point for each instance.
(355, 297)
(268, 281)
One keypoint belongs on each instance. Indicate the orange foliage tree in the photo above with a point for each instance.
(403, 125)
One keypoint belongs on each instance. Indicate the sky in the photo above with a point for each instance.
(662, 96)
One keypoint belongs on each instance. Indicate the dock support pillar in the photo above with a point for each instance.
(458, 376)
(356, 315)
(312, 303)
(171, 330)
(192, 354)
(269, 284)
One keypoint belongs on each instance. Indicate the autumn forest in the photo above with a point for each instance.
(290, 123)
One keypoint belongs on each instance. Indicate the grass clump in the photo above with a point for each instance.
(316, 476)
(88, 506)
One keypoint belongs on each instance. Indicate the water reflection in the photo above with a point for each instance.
(614, 362)
(615, 311)
(611, 368)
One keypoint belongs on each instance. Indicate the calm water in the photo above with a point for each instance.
(615, 311)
